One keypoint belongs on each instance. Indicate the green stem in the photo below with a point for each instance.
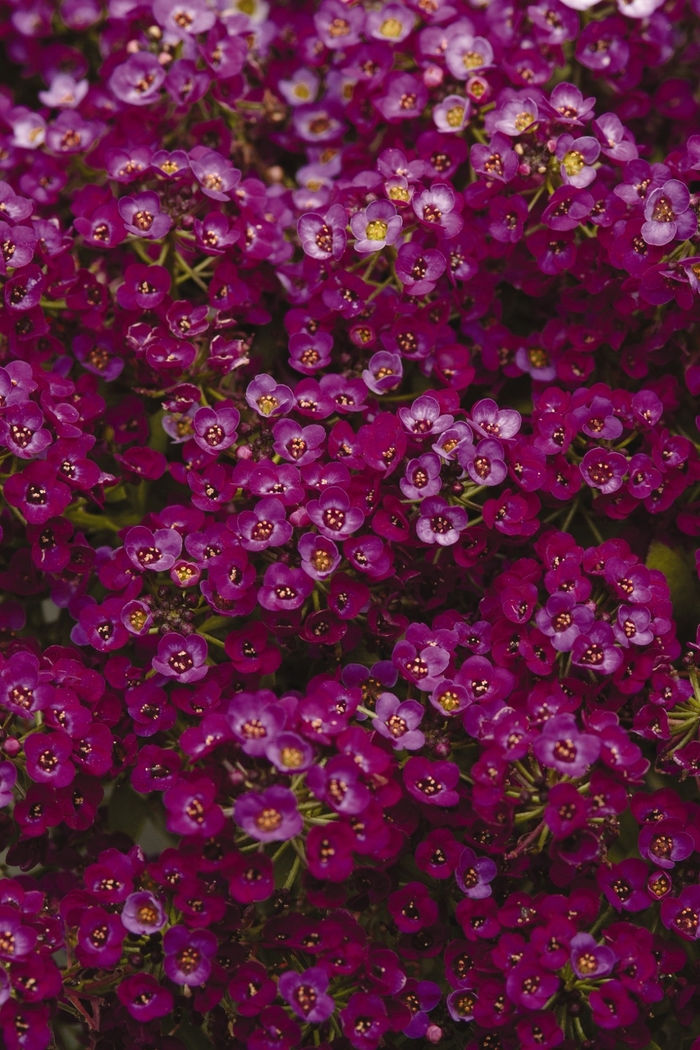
(289, 881)
(212, 639)
(601, 921)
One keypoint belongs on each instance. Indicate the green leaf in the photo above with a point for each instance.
(214, 623)
(194, 1038)
(678, 567)
(128, 811)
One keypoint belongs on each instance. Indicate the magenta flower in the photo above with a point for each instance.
(433, 783)
(144, 287)
(398, 722)
(142, 216)
(191, 808)
(473, 874)
(375, 227)
(270, 815)
(138, 80)
(155, 551)
(144, 998)
(440, 523)
(306, 994)
(100, 937)
(188, 955)
(143, 913)
(324, 236)
(563, 747)
(181, 658)
(668, 214)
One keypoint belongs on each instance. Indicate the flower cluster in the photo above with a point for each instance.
(349, 648)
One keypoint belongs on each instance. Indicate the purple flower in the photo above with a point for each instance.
(188, 955)
(24, 289)
(516, 117)
(138, 80)
(306, 994)
(144, 287)
(566, 101)
(681, 914)
(181, 658)
(398, 722)
(21, 430)
(612, 1007)
(668, 214)
(603, 469)
(215, 429)
(633, 626)
(596, 650)
(383, 373)
(404, 96)
(8, 779)
(183, 18)
(320, 556)
(589, 959)
(270, 815)
(289, 753)
(568, 207)
(567, 811)
(473, 874)
(420, 997)
(419, 269)
(529, 985)
(424, 417)
(496, 160)
(436, 210)
(255, 720)
(577, 157)
(48, 758)
(465, 54)
(143, 997)
(100, 937)
(64, 92)
(309, 354)
(391, 23)
(597, 419)
(155, 551)
(17, 244)
(300, 445)
(337, 25)
(624, 884)
(563, 620)
(269, 398)
(264, 526)
(324, 236)
(665, 843)
(433, 783)
(375, 227)
(483, 462)
(422, 478)
(440, 523)
(364, 1020)
(191, 809)
(143, 913)
(452, 114)
(333, 514)
(142, 215)
(216, 175)
(563, 747)
(37, 493)
(284, 588)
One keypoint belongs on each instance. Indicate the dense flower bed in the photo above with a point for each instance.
(349, 675)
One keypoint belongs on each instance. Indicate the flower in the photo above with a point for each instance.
(188, 955)
(270, 815)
